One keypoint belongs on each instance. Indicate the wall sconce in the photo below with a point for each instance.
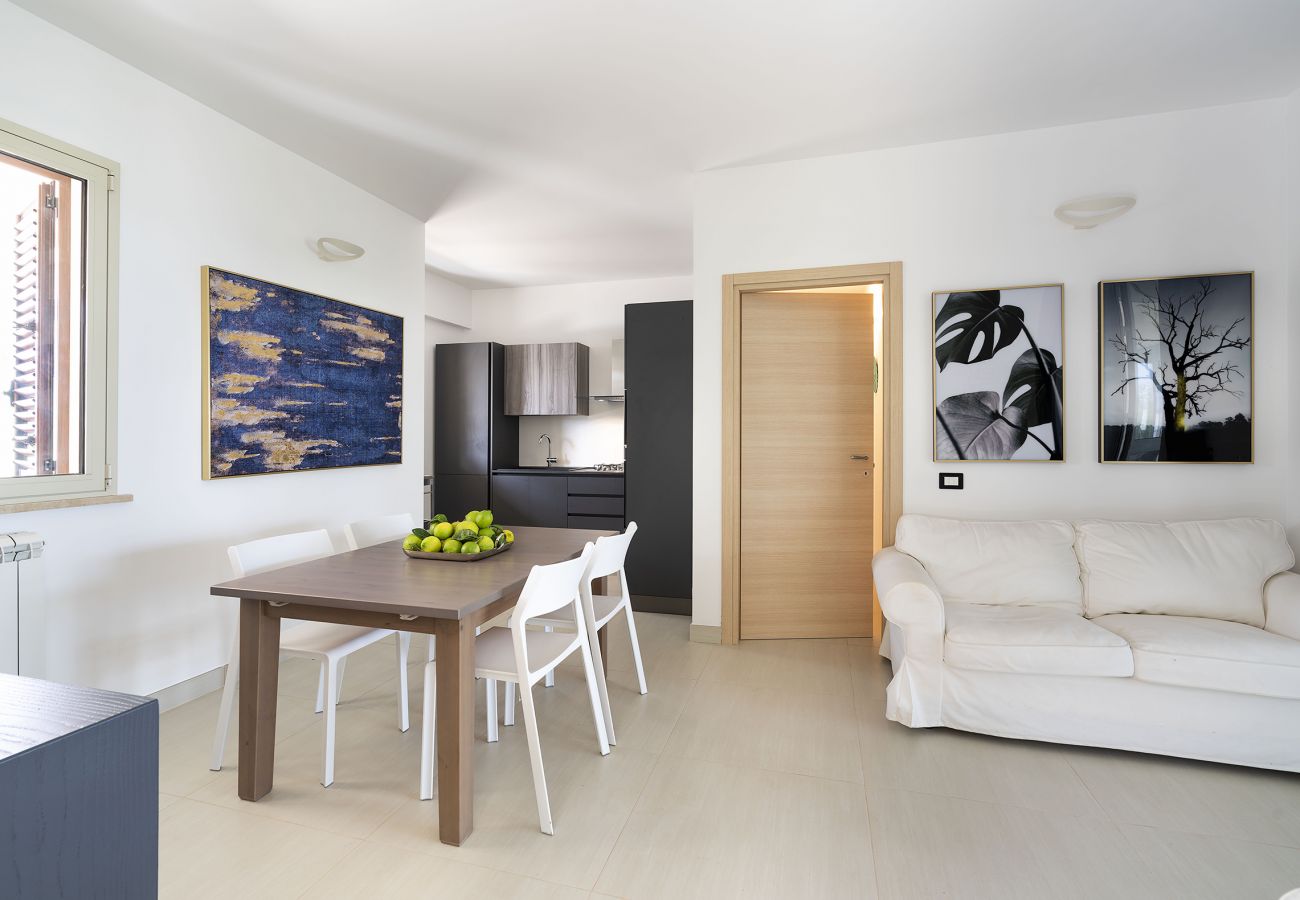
(333, 249)
(1089, 212)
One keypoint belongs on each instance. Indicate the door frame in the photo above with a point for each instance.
(890, 355)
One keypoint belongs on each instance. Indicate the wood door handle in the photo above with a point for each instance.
(859, 456)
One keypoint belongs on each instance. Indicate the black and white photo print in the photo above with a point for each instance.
(1176, 369)
(998, 374)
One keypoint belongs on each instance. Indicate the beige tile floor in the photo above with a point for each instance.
(766, 770)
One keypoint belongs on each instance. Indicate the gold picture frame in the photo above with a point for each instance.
(366, 339)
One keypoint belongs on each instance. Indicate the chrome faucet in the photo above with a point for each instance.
(550, 460)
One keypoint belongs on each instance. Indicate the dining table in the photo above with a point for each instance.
(381, 587)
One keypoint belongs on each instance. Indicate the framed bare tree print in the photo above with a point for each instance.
(1176, 369)
(999, 360)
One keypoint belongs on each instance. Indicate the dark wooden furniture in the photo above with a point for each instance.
(548, 380)
(78, 791)
(472, 434)
(658, 344)
(559, 497)
(379, 587)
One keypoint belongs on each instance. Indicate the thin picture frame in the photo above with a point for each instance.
(205, 317)
(934, 371)
(1101, 372)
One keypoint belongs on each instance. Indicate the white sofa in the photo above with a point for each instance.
(1178, 638)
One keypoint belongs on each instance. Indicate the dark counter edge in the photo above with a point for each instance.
(582, 473)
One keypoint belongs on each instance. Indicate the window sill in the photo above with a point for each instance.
(20, 506)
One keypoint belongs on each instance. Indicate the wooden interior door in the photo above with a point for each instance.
(806, 385)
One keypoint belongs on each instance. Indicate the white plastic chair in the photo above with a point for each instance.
(379, 530)
(598, 610)
(329, 643)
(516, 655)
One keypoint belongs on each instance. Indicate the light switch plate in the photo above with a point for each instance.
(952, 481)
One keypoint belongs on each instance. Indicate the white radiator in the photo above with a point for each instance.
(22, 604)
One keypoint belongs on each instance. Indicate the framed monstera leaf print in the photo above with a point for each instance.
(999, 358)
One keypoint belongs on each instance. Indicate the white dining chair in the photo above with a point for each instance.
(517, 655)
(598, 611)
(380, 530)
(329, 643)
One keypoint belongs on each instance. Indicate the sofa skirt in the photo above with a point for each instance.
(1118, 713)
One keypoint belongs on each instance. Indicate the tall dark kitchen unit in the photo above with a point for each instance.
(472, 434)
(657, 432)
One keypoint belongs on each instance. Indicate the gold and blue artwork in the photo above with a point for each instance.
(296, 381)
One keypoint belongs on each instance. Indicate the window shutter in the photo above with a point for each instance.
(33, 281)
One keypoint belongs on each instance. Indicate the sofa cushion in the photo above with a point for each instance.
(1035, 640)
(1209, 653)
(999, 563)
(1212, 569)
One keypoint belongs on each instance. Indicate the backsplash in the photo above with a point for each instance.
(576, 440)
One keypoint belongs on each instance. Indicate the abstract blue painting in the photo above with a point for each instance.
(297, 381)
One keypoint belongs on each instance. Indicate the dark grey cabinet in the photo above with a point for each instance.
(557, 500)
(472, 434)
(538, 500)
(658, 344)
(548, 380)
(78, 792)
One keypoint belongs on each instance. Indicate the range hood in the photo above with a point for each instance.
(616, 387)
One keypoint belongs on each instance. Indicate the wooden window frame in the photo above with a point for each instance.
(96, 483)
(889, 276)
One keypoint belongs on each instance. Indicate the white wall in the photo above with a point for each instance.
(1292, 157)
(448, 313)
(978, 213)
(590, 313)
(128, 584)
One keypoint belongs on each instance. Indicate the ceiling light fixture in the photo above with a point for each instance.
(333, 249)
(1089, 212)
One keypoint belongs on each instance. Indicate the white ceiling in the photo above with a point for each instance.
(551, 141)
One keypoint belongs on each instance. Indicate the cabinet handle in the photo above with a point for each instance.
(859, 456)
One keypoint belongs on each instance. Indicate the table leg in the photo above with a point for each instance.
(259, 677)
(455, 727)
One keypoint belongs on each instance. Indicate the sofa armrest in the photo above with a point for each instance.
(909, 599)
(1282, 605)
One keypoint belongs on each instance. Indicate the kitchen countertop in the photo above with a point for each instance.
(554, 470)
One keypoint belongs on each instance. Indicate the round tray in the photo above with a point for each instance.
(457, 557)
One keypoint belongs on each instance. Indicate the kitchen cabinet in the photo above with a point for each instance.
(472, 435)
(547, 379)
(551, 498)
(539, 500)
(657, 433)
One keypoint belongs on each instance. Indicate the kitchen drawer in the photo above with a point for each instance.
(597, 523)
(596, 506)
(596, 484)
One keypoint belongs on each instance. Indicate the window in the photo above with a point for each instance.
(57, 289)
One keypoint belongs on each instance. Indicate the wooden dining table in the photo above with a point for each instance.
(381, 587)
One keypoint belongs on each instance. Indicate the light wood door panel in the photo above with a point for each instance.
(805, 505)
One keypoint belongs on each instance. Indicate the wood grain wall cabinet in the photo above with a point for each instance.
(657, 431)
(78, 792)
(548, 379)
